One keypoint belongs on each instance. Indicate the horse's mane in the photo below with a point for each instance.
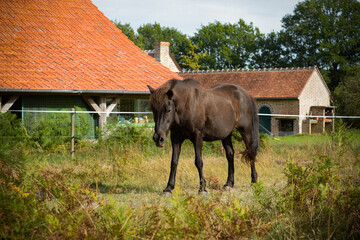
(159, 96)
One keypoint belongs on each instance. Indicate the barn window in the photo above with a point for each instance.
(286, 127)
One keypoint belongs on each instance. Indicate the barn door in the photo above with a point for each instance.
(265, 121)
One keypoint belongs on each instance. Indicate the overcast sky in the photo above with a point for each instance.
(188, 16)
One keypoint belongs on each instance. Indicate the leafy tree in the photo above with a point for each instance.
(150, 33)
(347, 97)
(271, 52)
(127, 30)
(227, 45)
(192, 60)
(324, 33)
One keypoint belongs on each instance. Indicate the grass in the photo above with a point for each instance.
(308, 188)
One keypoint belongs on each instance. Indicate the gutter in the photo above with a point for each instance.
(71, 91)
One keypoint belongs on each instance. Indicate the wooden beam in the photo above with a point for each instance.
(112, 106)
(7, 106)
(90, 101)
(101, 109)
(102, 105)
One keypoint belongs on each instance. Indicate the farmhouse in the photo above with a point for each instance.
(57, 54)
(295, 91)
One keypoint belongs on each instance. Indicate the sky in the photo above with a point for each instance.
(188, 16)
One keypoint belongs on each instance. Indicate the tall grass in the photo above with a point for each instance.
(309, 188)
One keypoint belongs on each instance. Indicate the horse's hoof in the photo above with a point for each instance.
(202, 193)
(227, 188)
(166, 194)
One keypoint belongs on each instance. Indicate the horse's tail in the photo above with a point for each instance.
(254, 131)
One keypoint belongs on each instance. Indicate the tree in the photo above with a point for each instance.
(126, 29)
(227, 45)
(324, 33)
(192, 60)
(271, 52)
(179, 42)
(347, 97)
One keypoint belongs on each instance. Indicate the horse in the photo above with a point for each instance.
(189, 111)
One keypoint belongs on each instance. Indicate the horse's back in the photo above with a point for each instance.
(227, 88)
(239, 98)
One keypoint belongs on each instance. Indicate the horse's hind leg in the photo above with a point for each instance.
(227, 144)
(249, 155)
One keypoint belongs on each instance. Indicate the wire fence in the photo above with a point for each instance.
(150, 113)
(139, 119)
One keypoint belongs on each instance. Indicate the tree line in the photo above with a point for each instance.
(322, 33)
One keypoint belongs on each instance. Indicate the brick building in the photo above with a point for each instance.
(296, 91)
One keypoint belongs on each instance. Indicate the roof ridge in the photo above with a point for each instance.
(248, 70)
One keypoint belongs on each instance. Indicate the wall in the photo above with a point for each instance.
(315, 93)
(286, 106)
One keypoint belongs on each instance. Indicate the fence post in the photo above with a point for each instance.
(72, 133)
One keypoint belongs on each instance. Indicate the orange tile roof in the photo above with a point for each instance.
(260, 83)
(70, 45)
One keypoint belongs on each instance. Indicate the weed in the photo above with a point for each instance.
(309, 188)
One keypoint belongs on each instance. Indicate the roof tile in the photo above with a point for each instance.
(260, 83)
(56, 44)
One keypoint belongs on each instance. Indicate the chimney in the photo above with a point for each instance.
(161, 51)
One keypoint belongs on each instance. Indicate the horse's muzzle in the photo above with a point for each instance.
(159, 140)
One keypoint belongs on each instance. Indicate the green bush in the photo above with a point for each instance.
(50, 130)
(321, 199)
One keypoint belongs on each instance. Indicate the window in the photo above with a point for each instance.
(286, 127)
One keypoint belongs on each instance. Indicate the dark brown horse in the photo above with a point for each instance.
(192, 112)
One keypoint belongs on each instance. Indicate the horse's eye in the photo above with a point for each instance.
(169, 110)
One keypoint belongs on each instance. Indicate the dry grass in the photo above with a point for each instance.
(111, 187)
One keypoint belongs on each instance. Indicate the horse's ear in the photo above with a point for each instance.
(151, 89)
(170, 94)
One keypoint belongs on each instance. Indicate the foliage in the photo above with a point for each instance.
(50, 130)
(227, 45)
(321, 198)
(347, 98)
(191, 60)
(104, 192)
(148, 34)
(14, 142)
(271, 52)
(127, 30)
(325, 34)
(318, 33)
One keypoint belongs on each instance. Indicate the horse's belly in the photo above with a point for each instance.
(218, 131)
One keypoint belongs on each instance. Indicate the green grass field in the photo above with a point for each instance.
(308, 189)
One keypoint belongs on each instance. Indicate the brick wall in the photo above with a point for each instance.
(286, 106)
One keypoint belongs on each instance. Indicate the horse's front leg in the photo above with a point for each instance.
(227, 144)
(198, 142)
(176, 149)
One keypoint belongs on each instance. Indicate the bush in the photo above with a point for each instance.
(51, 130)
(321, 199)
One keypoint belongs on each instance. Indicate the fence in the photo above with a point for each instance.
(141, 117)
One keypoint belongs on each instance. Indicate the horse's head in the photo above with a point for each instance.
(163, 108)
